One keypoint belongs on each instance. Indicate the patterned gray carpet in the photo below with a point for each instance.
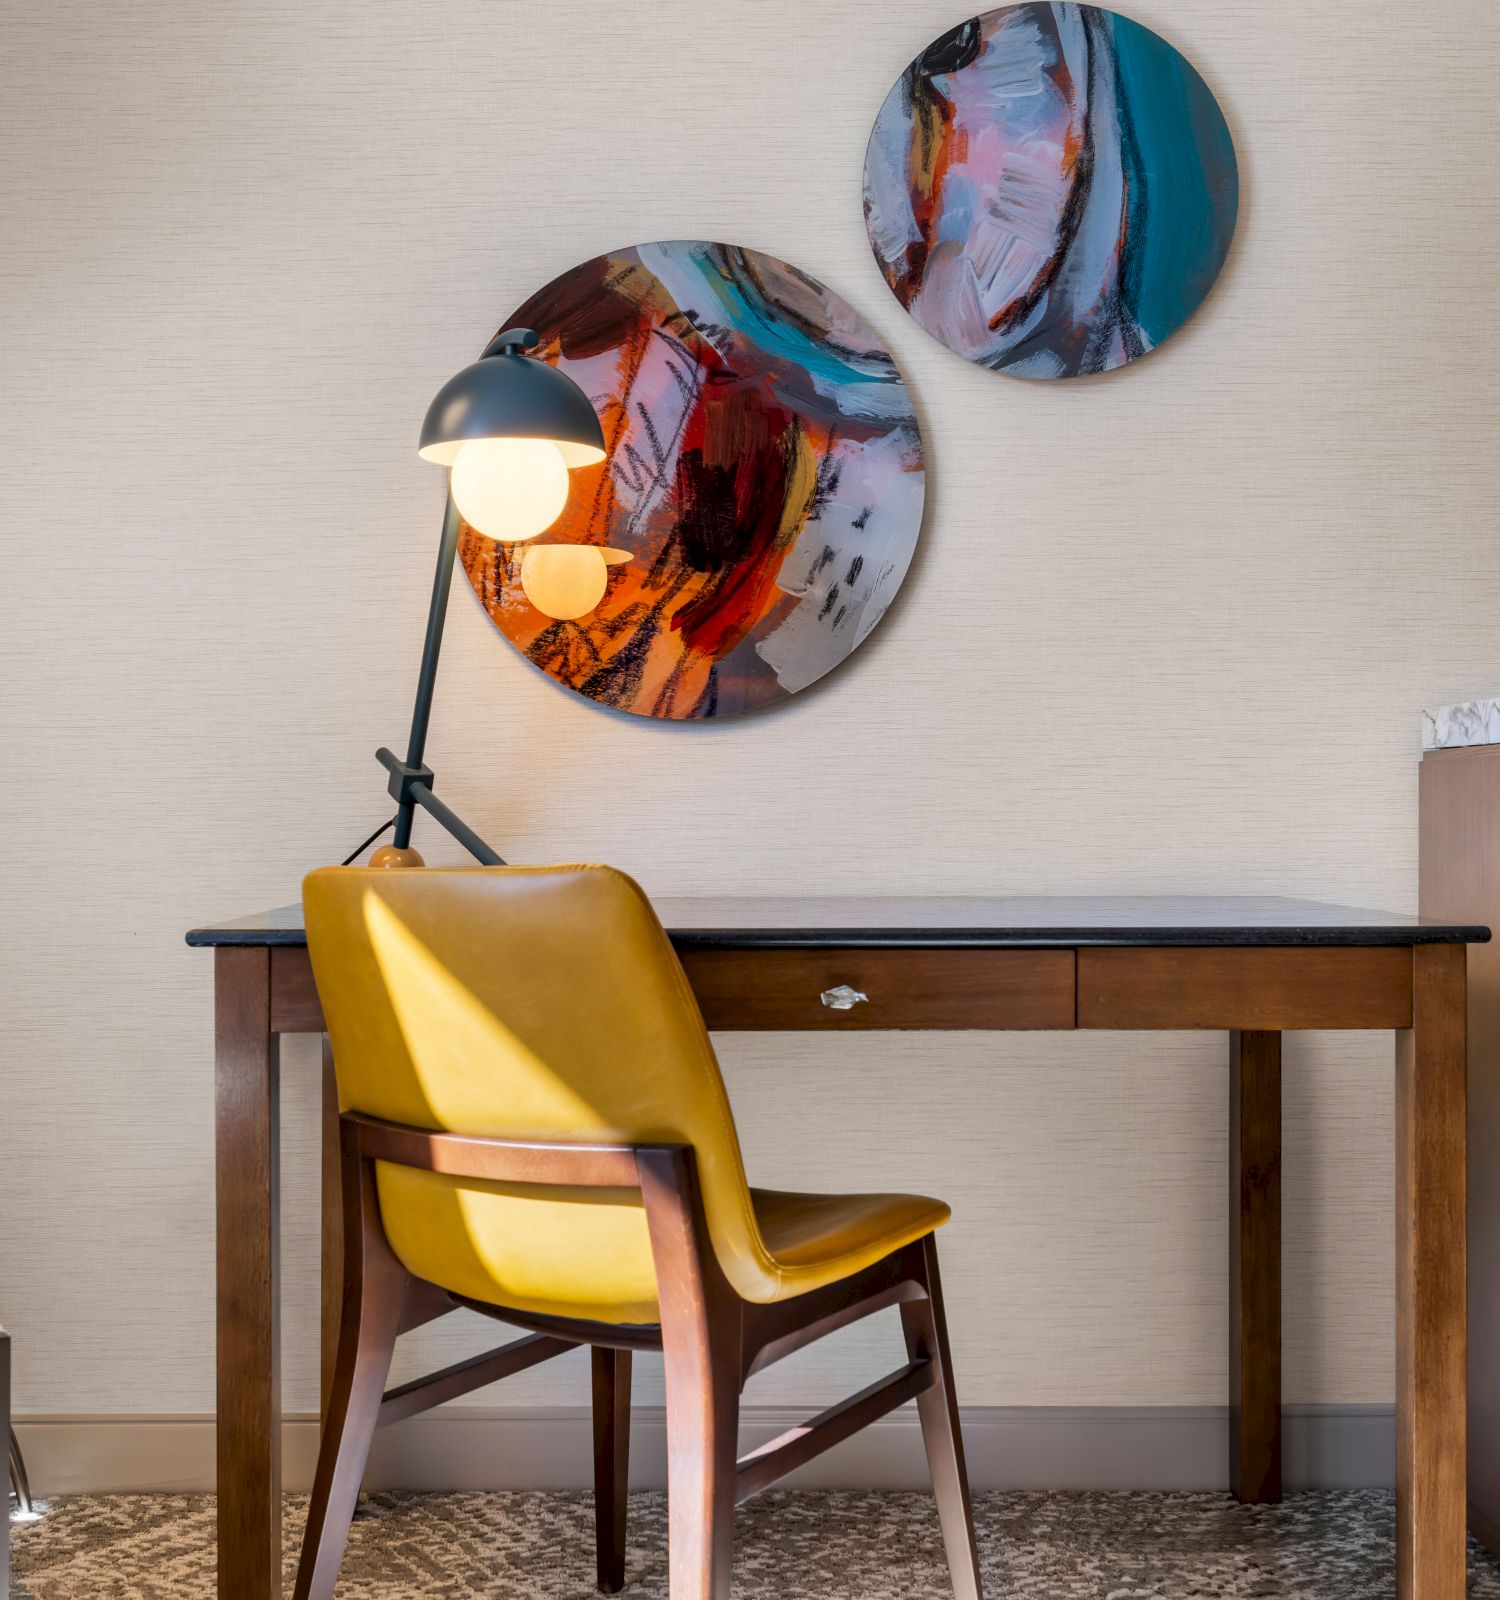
(788, 1546)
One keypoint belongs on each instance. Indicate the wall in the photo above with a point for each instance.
(1169, 629)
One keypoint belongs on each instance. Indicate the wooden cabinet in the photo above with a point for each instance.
(1460, 804)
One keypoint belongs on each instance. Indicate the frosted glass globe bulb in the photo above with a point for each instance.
(509, 489)
(566, 581)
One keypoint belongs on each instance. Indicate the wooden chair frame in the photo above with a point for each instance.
(711, 1339)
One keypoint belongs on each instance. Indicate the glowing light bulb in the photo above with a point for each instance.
(566, 581)
(509, 489)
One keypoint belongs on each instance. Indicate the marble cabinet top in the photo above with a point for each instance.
(1468, 723)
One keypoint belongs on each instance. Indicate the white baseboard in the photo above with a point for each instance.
(1008, 1447)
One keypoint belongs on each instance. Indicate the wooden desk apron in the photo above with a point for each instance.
(1251, 966)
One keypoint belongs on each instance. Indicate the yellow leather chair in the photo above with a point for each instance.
(534, 1127)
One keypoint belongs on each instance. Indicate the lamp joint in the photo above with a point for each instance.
(404, 776)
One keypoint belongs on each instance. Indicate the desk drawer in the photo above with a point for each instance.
(780, 990)
(1273, 988)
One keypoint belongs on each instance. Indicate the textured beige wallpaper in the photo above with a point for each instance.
(1169, 629)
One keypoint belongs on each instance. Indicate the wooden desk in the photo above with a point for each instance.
(1252, 967)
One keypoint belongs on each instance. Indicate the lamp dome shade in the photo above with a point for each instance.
(508, 395)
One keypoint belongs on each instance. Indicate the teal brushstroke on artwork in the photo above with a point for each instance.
(1184, 184)
(774, 334)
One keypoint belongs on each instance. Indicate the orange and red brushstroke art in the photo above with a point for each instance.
(764, 471)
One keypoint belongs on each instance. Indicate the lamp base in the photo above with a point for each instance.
(389, 856)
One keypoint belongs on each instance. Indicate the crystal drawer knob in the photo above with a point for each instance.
(843, 998)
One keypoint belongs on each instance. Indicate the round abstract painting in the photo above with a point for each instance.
(760, 498)
(1050, 190)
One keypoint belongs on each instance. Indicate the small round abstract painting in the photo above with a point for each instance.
(1050, 190)
(761, 495)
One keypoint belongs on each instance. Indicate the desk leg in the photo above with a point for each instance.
(333, 1227)
(1255, 1267)
(1431, 1339)
(247, 1091)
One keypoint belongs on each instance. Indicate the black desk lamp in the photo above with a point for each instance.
(509, 429)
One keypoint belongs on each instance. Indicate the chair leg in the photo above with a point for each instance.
(375, 1285)
(926, 1330)
(19, 1482)
(703, 1410)
(611, 1464)
(702, 1335)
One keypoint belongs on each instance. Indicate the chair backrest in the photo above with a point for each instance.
(534, 1003)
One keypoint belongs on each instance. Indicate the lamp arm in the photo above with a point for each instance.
(411, 781)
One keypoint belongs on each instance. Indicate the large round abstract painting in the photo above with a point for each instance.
(761, 495)
(1050, 190)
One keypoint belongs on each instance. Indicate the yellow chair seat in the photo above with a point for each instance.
(815, 1239)
(510, 1247)
(547, 1004)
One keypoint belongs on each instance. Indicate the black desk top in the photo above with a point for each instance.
(958, 921)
